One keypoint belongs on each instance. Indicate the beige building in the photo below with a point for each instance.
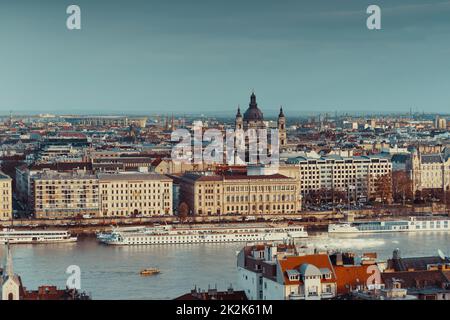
(5, 197)
(429, 167)
(356, 175)
(65, 195)
(440, 123)
(207, 193)
(131, 194)
(78, 193)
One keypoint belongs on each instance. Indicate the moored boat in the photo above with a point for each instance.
(203, 234)
(414, 224)
(35, 236)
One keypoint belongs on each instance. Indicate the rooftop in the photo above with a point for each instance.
(125, 176)
(319, 261)
(4, 176)
(232, 176)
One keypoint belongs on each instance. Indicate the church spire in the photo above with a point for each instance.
(253, 103)
(238, 114)
(281, 112)
(9, 262)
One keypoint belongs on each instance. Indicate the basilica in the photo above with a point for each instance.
(254, 119)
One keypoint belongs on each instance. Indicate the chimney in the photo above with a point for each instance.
(339, 261)
(396, 254)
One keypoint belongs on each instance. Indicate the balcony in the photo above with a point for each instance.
(327, 295)
(296, 296)
(311, 296)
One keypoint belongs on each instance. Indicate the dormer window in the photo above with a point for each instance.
(293, 275)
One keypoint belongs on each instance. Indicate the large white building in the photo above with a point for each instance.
(358, 174)
(128, 194)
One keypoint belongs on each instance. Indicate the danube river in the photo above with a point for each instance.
(113, 272)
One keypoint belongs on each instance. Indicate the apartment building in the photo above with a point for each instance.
(269, 272)
(25, 173)
(64, 195)
(250, 193)
(5, 197)
(283, 272)
(79, 193)
(429, 168)
(132, 194)
(356, 175)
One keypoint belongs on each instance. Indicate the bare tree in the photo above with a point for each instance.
(183, 211)
(401, 186)
(383, 188)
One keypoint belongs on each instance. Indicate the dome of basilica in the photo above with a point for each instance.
(253, 113)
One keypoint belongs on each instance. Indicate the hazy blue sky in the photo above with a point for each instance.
(148, 56)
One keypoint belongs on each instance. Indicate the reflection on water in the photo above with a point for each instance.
(113, 272)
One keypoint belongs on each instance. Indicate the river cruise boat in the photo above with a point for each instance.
(35, 236)
(168, 234)
(414, 224)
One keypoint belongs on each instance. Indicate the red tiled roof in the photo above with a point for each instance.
(415, 279)
(351, 276)
(317, 260)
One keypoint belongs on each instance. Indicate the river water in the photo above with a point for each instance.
(109, 272)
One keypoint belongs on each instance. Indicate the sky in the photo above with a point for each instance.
(206, 56)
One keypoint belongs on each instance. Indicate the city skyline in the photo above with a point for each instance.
(208, 56)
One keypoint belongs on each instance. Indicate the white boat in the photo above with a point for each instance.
(414, 224)
(202, 234)
(35, 236)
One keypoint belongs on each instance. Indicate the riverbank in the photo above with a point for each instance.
(311, 220)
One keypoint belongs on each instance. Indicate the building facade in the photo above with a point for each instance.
(429, 168)
(79, 193)
(135, 194)
(207, 193)
(269, 272)
(65, 195)
(5, 197)
(355, 175)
